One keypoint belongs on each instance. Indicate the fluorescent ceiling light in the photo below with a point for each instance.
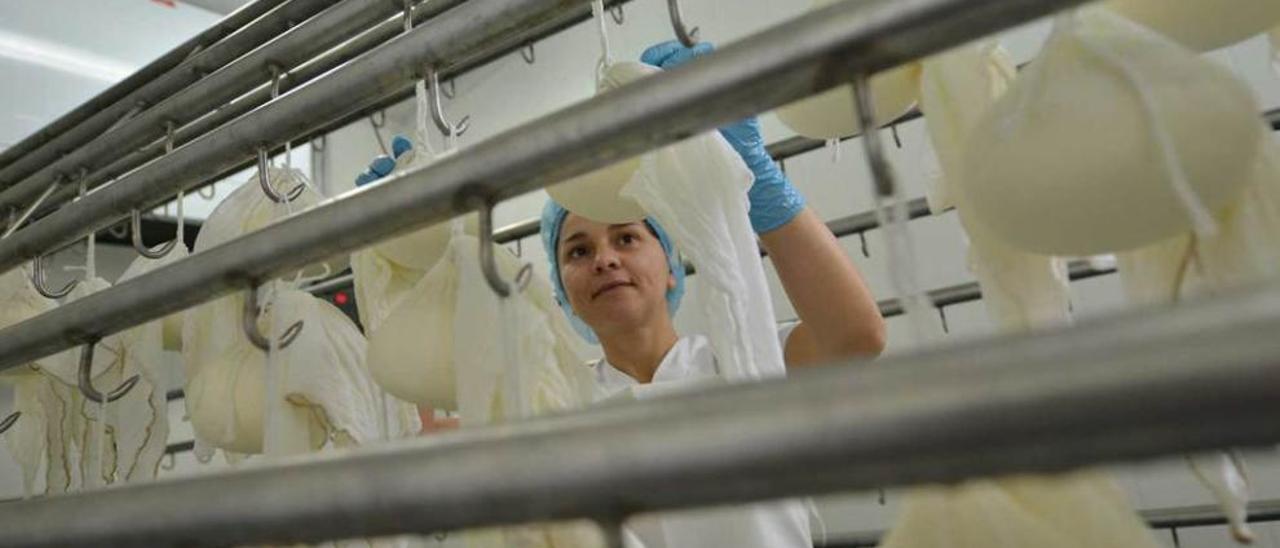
(26, 49)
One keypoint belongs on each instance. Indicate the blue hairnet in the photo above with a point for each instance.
(553, 215)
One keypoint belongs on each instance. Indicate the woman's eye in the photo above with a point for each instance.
(627, 238)
(576, 252)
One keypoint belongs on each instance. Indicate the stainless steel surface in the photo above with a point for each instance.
(154, 91)
(290, 48)
(362, 96)
(297, 77)
(228, 25)
(1033, 403)
(755, 74)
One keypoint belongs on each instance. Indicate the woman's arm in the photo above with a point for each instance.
(838, 316)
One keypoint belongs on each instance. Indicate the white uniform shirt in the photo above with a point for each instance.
(689, 365)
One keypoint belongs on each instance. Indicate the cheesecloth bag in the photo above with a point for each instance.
(226, 381)
(25, 440)
(1244, 251)
(1199, 25)
(958, 86)
(1022, 291)
(1113, 138)
(532, 364)
(90, 431)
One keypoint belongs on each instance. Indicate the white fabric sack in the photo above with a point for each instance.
(1021, 290)
(1245, 251)
(697, 190)
(1072, 511)
(1113, 138)
(1202, 25)
(531, 365)
(325, 391)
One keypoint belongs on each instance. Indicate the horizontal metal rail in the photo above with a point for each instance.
(160, 87)
(223, 28)
(145, 132)
(747, 77)
(1032, 403)
(322, 32)
(315, 68)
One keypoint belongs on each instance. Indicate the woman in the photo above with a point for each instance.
(621, 285)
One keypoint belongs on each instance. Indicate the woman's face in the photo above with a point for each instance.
(615, 276)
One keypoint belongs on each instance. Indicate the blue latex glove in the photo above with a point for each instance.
(383, 165)
(774, 201)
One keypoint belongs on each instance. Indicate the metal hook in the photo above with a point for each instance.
(862, 237)
(897, 141)
(135, 223)
(8, 421)
(169, 463)
(527, 52)
(487, 264)
(277, 76)
(437, 109)
(942, 315)
(619, 16)
(38, 280)
(251, 325)
(449, 90)
(378, 119)
(213, 191)
(687, 37)
(86, 379)
(264, 180)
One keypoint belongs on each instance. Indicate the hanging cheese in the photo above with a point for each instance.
(830, 115)
(325, 390)
(412, 353)
(1202, 25)
(1113, 138)
(594, 195)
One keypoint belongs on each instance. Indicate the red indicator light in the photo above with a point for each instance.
(340, 298)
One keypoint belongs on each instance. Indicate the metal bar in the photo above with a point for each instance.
(158, 88)
(317, 35)
(755, 74)
(323, 65)
(228, 25)
(1031, 403)
(327, 29)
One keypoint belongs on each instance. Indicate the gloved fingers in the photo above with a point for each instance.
(672, 53)
(365, 177)
(400, 145)
(382, 165)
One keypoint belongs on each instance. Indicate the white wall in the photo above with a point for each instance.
(510, 92)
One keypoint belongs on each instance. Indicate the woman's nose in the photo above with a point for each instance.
(607, 259)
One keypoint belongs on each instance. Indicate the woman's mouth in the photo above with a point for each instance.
(610, 287)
